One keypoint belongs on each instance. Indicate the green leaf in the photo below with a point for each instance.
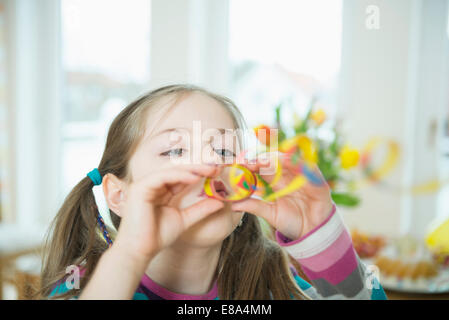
(302, 128)
(326, 164)
(278, 114)
(334, 148)
(281, 135)
(304, 125)
(345, 199)
(268, 189)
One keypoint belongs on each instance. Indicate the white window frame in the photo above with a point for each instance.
(35, 76)
(34, 98)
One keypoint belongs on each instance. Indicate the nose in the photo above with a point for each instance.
(210, 156)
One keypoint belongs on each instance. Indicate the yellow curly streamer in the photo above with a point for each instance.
(390, 161)
(438, 240)
(294, 185)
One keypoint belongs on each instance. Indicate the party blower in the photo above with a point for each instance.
(236, 182)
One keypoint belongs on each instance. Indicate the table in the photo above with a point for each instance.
(396, 295)
(16, 241)
(7, 260)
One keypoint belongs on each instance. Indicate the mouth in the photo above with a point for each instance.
(220, 189)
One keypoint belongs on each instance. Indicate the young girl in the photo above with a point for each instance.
(173, 242)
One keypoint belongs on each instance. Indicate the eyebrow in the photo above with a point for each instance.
(221, 130)
(169, 130)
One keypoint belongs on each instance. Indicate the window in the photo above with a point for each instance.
(3, 119)
(443, 197)
(106, 59)
(283, 50)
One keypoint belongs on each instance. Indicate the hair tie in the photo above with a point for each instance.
(95, 176)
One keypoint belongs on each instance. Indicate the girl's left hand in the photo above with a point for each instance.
(297, 213)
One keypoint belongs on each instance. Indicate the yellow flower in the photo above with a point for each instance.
(288, 145)
(308, 148)
(349, 157)
(303, 143)
(318, 116)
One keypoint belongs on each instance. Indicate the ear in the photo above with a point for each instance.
(113, 189)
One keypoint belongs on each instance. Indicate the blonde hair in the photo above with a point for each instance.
(251, 264)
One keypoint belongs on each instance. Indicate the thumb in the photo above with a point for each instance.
(257, 207)
(200, 210)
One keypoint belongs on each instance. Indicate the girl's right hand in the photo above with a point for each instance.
(148, 222)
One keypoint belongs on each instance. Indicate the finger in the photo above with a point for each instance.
(201, 170)
(262, 161)
(178, 188)
(267, 165)
(310, 170)
(158, 182)
(200, 210)
(257, 207)
(204, 170)
(172, 180)
(179, 174)
(166, 194)
(169, 191)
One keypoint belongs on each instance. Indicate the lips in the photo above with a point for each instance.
(220, 189)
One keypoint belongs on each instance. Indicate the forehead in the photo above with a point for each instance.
(187, 111)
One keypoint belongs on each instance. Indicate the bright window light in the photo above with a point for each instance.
(283, 49)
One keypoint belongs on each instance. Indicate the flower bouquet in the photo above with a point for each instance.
(333, 156)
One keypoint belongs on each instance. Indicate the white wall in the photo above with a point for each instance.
(428, 103)
(190, 47)
(386, 87)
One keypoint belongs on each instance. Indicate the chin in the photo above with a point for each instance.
(213, 229)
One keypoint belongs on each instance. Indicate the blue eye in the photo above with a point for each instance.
(173, 153)
(224, 152)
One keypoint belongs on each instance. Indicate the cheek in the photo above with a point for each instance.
(141, 164)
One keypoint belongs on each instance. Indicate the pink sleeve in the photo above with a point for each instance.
(327, 257)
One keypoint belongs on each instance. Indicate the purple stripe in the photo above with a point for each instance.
(293, 270)
(338, 271)
(330, 255)
(166, 294)
(150, 295)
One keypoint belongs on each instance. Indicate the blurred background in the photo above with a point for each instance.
(376, 68)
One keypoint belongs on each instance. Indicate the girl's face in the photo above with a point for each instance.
(197, 129)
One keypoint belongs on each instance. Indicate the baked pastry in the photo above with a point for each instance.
(400, 269)
(365, 245)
